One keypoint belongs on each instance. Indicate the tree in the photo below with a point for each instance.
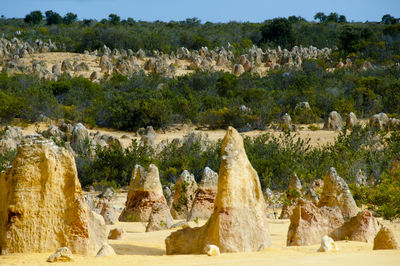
(332, 17)
(34, 17)
(321, 17)
(294, 19)
(278, 31)
(114, 19)
(389, 20)
(69, 18)
(342, 19)
(53, 17)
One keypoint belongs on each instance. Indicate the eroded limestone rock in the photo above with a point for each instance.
(239, 220)
(144, 190)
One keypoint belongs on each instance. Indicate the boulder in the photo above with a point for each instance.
(238, 69)
(62, 254)
(116, 234)
(184, 195)
(148, 136)
(83, 66)
(361, 179)
(351, 120)
(107, 211)
(144, 190)
(239, 220)
(105, 251)
(327, 244)
(333, 122)
(203, 204)
(160, 218)
(336, 193)
(378, 121)
(80, 139)
(41, 203)
(385, 239)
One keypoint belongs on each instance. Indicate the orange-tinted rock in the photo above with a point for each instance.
(144, 190)
(41, 203)
(385, 239)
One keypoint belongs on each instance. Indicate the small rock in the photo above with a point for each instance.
(62, 254)
(116, 234)
(105, 251)
(327, 244)
(384, 239)
(212, 250)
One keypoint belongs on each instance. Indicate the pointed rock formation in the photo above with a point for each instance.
(203, 204)
(239, 220)
(385, 239)
(185, 189)
(144, 190)
(292, 194)
(160, 218)
(336, 193)
(41, 203)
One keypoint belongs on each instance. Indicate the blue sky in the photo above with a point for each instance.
(206, 10)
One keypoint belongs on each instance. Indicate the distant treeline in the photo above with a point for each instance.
(377, 42)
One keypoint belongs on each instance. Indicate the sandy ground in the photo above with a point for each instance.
(317, 138)
(140, 248)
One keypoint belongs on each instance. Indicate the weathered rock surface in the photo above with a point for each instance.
(41, 203)
(203, 204)
(212, 250)
(239, 221)
(184, 195)
(333, 122)
(385, 239)
(80, 139)
(327, 244)
(62, 254)
(117, 233)
(379, 121)
(160, 218)
(351, 120)
(144, 190)
(336, 193)
(293, 192)
(336, 216)
(105, 251)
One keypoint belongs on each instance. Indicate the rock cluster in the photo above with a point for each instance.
(336, 216)
(238, 222)
(41, 203)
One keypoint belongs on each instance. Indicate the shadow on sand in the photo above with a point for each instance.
(123, 249)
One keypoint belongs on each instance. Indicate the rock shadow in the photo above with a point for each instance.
(125, 249)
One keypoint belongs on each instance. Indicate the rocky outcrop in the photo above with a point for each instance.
(385, 239)
(333, 122)
(160, 218)
(41, 203)
(9, 140)
(105, 251)
(184, 195)
(203, 204)
(239, 221)
(379, 121)
(80, 139)
(336, 216)
(144, 190)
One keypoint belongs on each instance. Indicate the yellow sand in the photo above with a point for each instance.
(141, 248)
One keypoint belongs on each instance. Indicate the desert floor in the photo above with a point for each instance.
(140, 248)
